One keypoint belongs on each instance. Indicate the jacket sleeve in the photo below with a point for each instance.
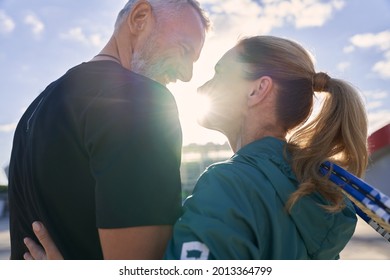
(217, 222)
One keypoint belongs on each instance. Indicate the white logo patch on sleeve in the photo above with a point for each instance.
(194, 250)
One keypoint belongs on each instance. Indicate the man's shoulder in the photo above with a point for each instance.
(107, 79)
(104, 71)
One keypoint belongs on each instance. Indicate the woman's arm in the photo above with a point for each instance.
(137, 243)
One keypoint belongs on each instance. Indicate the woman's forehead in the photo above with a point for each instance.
(231, 56)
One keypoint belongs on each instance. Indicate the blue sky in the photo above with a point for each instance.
(41, 39)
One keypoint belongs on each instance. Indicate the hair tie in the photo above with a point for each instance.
(320, 82)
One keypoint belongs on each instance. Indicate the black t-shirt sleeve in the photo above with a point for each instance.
(133, 137)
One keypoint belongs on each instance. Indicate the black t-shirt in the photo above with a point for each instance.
(99, 148)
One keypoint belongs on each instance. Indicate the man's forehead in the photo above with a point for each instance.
(190, 20)
(192, 32)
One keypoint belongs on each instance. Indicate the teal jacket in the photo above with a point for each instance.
(237, 211)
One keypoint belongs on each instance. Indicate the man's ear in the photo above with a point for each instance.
(262, 89)
(139, 17)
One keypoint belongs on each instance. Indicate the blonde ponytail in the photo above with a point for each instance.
(338, 133)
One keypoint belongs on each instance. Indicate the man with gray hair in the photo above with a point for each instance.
(96, 156)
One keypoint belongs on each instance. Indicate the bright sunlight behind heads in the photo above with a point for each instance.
(189, 105)
(193, 107)
(202, 106)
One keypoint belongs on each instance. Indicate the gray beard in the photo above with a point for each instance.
(145, 67)
(145, 62)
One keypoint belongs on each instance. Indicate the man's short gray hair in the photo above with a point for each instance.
(166, 9)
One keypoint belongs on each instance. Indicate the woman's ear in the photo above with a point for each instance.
(262, 89)
(139, 17)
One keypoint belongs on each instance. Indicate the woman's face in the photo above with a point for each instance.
(226, 95)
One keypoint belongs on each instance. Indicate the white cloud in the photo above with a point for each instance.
(77, 34)
(380, 41)
(7, 25)
(233, 7)
(342, 66)
(95, 39)
(8, 127)
(349, 49)
(374, 105)
(378, 119)
(35, 23)
(383, 67)
(247, 17)
(308, 13)
(376, 94)
(74, 34)
(376, 101)
(243, 16)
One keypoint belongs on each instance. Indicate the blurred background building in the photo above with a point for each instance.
(378, 171)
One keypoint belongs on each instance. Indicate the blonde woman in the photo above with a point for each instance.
(268, 201)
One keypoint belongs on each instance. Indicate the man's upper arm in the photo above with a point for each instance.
(134, 142)
(135, 243)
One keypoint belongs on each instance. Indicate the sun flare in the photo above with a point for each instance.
(203, 106)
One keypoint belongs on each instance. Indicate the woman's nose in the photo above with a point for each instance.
(203, 88)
